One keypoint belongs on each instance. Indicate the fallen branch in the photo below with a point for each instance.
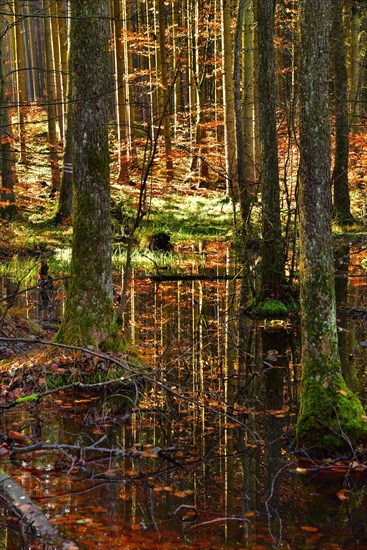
(183, 277)
(41, 446)
(30, 514)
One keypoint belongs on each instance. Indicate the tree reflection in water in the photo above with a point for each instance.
(211, 470)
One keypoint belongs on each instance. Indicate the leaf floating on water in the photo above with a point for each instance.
(343, 494)
(183, 494)
(309, 529)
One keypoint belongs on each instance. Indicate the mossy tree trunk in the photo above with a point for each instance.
(89, 318)
(272, 266)
(7, 161)
(331, 415)
(340, 173)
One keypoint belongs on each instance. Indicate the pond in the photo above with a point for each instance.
(208, 461)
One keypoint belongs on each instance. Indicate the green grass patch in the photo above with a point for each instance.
(190, 218)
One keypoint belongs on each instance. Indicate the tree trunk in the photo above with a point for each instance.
(89, 318)
(340, 174)
(7, 163)
(51, 99)
(122, 116)
(331, 416)
(65, 206)
(272, 271)
(237, 77)
(229, 99)
(249, 100)
(57, 63)
(164, 104)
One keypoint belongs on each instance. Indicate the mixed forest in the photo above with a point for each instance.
(206, 149)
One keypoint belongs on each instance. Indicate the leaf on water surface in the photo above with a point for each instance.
(231, 425)
(343, 494)
(182, 494)
(309, 529)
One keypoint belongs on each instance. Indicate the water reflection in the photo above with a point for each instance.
(234, 474)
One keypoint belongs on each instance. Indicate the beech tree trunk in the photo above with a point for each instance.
(164, 107)
(241, 160)
(121, 100)
(51, 99)
(340, 174)
(229, 98)
(65, 205)
(249, 100)
(331, 415)
(272, 266)
(7, 163)
(89, 318)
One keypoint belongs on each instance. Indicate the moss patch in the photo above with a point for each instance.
(332, 418)
(273, 309)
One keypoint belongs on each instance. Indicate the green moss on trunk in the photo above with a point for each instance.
(331, 416)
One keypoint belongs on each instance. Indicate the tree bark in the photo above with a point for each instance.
(7, 162)
(65, 206)
(249, 101)
(229, 99)
(51, 99)
(122, 116)
(241, 157)
(164, 107)
(340, 174)
(89, 318)
(331, 416)
(272, 266)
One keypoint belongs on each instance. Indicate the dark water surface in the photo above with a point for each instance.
(209, 464)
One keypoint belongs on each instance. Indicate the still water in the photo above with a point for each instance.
(209, 462)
